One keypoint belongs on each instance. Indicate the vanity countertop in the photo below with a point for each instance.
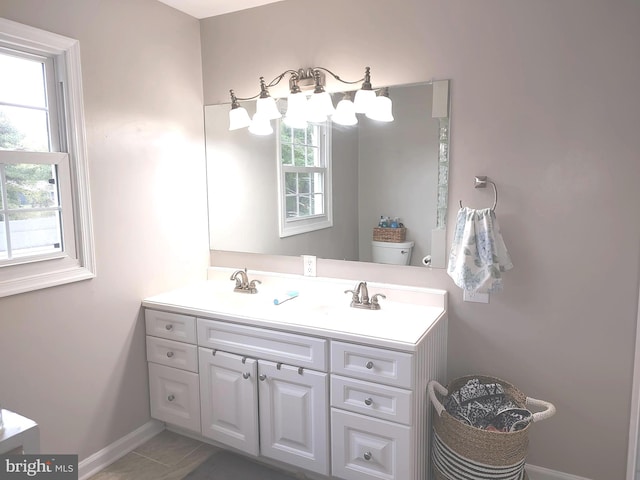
(321, 308)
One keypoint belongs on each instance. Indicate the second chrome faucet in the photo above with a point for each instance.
(243, 285)
(360, 297)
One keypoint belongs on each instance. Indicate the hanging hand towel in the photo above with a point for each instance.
(478, 253)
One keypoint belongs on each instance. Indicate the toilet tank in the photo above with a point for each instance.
(395, 253)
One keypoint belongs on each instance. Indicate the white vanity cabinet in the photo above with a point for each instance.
(265, 406)
(174, 386)
(339, 392)
(380, 423)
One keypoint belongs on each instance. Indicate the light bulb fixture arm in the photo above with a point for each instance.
(366, 77)
(303, 74)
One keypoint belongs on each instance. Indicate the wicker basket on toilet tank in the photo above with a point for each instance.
(460, 451)
(385, 234)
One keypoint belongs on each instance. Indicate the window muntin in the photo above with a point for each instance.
(304, 167)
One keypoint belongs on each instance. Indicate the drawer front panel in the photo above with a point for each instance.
(170, 325)
(288, 348)
(175, 396)
(380, 401)
(172, 353)
(363, 448)
(372, 364)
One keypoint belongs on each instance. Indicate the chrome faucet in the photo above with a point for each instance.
(360, 297)
(243, 285)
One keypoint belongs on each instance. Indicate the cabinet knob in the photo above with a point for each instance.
(369, 365)
(367, 455)
(368, 401)
(246, 375)
(262, 377)
(169, 354)
(169, 326)
(171, 398)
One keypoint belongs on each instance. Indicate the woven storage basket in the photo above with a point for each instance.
(383, 234)
(460, 451)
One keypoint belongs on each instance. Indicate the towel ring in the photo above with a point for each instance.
(481, 182)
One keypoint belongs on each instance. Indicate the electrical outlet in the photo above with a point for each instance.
(309, 265)
(475, 297)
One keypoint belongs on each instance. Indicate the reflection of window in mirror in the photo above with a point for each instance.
(304, 178)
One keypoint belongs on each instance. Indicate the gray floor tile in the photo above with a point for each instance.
(132, 466)
(168, 448)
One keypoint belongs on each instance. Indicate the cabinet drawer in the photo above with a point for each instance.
(288, 348)
(172, 353)
(363, 448)
(381, 401)
(170, 325)
(373, 364)
(175, 396)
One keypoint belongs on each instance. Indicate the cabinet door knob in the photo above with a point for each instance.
(169, 326)
(169, 354)
(369, 365)
(367, 455)
(246, 375)
(171, 398)
(262, 377)
(368, 401)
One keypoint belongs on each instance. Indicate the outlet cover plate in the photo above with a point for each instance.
(309, 265)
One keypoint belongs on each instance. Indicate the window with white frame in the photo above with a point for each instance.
(45, 220)
(304, 178)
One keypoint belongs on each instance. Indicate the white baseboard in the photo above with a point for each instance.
(541, 473)
(118, 449)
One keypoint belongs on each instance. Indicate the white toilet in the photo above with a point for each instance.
(391, 252)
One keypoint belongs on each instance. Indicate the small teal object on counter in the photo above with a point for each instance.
(284, 297)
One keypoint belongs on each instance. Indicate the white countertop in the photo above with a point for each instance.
(321, 309)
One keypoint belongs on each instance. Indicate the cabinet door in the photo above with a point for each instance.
(294, 426)
(229, 399)
(174, 396)
(365, 448)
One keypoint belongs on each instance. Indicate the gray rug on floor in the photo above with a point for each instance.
(226, 465)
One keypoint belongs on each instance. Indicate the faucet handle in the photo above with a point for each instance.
(374, 301)
(252, 286)
(354, 296)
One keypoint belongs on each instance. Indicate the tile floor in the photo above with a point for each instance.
(167, 456)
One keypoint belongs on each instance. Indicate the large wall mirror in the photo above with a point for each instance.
(395, 169)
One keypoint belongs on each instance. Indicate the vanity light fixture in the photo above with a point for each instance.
(238, 116)
(380, 108)
(345, 112)
(315, 107)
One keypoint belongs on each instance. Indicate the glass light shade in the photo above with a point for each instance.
(381, 109)
(363, 101)
(267, 107)
(296, 116)
(345, 113)
(319, 106)
(260, 125)
(238, 118)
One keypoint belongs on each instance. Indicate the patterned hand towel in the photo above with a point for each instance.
(478, 253)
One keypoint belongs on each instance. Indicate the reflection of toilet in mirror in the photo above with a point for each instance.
(395, 253)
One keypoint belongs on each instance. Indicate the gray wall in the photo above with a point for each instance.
(544, 102)
(73, 357)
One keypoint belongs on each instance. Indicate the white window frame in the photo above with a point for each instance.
(295, 226)
(77, 261)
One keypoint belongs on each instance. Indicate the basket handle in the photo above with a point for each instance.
(549, 409)
(432, 386)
